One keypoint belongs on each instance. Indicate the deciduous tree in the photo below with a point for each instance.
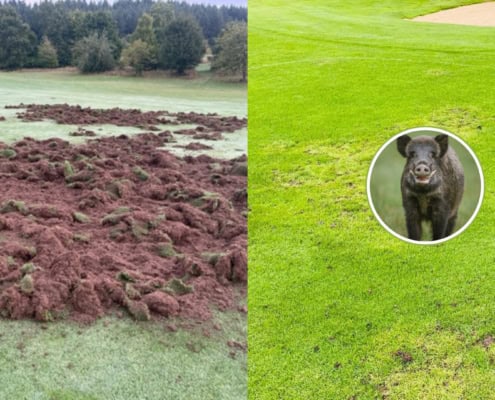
(139, 56)
(47, 54)
(231, 50)
(101, 23)
(147, 55)
(180, 45)
(94, 54)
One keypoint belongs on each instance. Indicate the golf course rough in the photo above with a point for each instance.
(117, 223)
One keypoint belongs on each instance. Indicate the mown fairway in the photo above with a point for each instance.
(202, 94)
(339, 308)
(119, 358)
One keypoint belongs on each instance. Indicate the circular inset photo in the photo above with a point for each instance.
(425, 185)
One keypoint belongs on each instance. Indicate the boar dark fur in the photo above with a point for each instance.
(432, 184)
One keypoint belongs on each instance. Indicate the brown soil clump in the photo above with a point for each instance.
(197, 146)
(116, 223)
(147, 120)
(404, 356)
(83, 132)
(208, 136)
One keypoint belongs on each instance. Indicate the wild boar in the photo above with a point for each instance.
(432, 184)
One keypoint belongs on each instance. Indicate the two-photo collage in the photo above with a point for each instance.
(233, 200)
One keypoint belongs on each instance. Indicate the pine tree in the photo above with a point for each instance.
(162, 14)
(139, 56)
(17, 41)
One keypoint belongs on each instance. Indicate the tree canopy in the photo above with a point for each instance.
(94, 54)
(17, 40)
(181, 45)
(231, 50)
(47, 54)
(101, 23)
(139, 56)
(28, 30)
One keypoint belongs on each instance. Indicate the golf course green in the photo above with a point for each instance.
(338, 307)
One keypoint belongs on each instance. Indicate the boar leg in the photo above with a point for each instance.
(439, 219)
(413, 219)
(451, 225)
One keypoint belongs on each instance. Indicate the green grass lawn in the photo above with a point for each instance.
(119, 359)
(203, 94)
(339, 308)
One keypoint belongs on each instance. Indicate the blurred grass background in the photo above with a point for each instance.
(385, 189)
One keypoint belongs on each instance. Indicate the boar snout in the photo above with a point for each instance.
(421, 169)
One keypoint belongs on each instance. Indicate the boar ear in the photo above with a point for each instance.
(443, 141)
(402, 143)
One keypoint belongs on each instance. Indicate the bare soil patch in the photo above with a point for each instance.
(482, 14)
(117, 224)
(77, 115)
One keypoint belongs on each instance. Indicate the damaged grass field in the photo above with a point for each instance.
(131, 259)
(339, 308)
(87, 227)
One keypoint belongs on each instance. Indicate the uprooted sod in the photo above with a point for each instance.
(116, 224)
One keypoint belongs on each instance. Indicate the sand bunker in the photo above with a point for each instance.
(482, 14)
(115, 224)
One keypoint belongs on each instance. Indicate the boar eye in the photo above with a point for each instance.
(432, 154)
(412, 154)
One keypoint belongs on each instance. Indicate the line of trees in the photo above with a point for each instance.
(142, 34)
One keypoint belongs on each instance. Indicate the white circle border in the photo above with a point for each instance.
(425, 242)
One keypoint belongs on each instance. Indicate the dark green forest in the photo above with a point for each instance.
(140, 34)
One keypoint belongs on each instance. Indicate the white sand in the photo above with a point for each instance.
(482, 14)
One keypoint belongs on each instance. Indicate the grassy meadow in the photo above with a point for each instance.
(119, 359)
(339, 308)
